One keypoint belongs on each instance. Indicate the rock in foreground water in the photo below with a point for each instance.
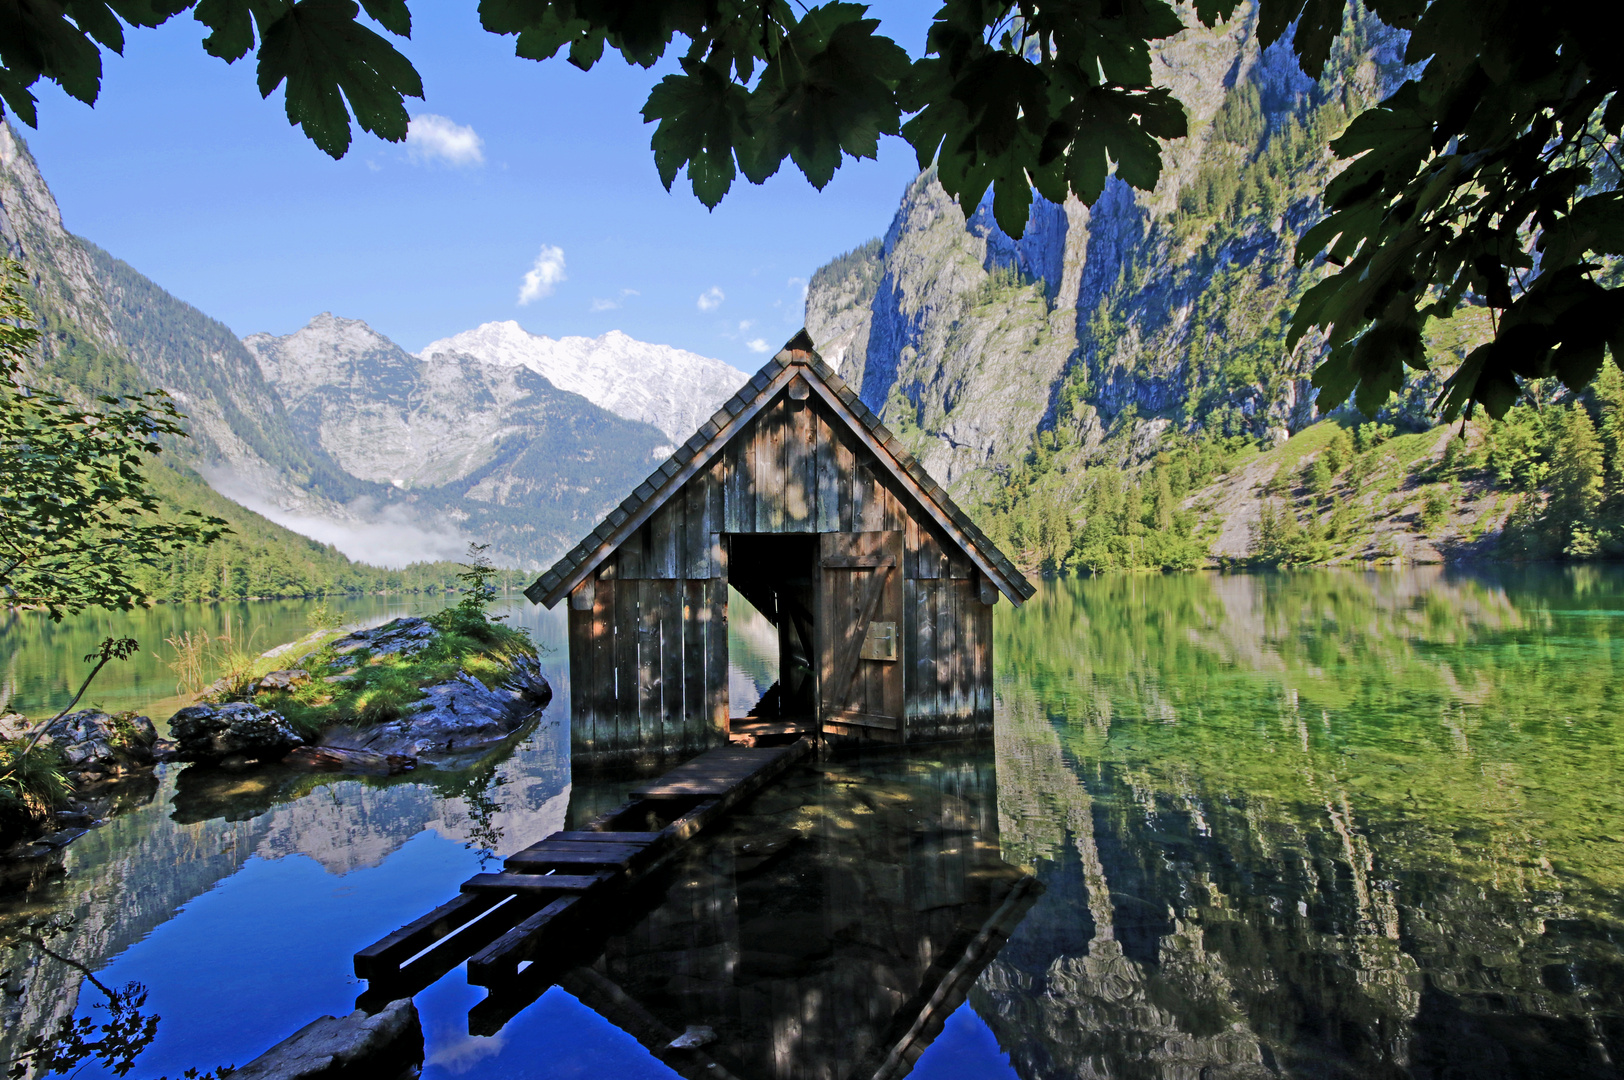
(94, 745)
(460, 714)
(238, 729)
(358, 1046)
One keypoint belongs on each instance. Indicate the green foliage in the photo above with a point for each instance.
(469, 617)
(1279, 539)
(1434, 508)
(77, 514)
(31, 782)
(1512, 123)
(1055, 520)
(1503, 146)
(1367, 437)
(1339, 451)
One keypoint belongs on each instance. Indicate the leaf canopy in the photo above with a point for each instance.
(1491, 177)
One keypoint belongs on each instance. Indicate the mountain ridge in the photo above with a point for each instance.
(673, 389)
(492, 453)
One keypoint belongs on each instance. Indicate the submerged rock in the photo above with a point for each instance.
(215, 733)
(379, 1047)
(404, 636)
(94, 745)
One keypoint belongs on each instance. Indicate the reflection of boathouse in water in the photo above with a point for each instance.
(795, 495)
(825, 932)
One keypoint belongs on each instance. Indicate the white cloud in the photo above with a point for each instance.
(542, 278)
(757, 345)
(711, 299)
(745, 325)
(439, 138)
(388, 536)
(601, 304)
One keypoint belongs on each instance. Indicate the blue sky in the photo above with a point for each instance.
(183, 171)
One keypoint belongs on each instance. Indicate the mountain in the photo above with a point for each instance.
(1113, 389)
(515, 460)
(335, 432)
(671, 388)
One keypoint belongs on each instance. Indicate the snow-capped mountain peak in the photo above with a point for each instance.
(671, 388)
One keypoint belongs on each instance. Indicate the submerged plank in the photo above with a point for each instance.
(543, 855)
(499, 961)
(715, 772)
(383, 957)
(519, 883)
(501, 909)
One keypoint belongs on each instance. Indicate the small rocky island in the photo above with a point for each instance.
(378, 701)
(373, 700)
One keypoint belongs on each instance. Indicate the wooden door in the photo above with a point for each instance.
(860, 688)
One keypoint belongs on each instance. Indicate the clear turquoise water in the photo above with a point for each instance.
(1327, 824)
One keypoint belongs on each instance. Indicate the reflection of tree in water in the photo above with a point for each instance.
(478, 790)
(77, 1040)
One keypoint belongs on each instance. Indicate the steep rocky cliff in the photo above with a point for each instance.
(388, 416)
(1116, 323)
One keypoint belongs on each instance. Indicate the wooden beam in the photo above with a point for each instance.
(858, 562)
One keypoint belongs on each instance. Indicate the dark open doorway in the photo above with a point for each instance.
(775, 573)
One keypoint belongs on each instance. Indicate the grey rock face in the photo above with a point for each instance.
(213, 733)
(965, 339)
(355, 1047)
(494, 446)
(93, 744)
(458, 715)
(673, 389)
(405, 636)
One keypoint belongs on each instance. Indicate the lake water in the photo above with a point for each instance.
(1320, 824)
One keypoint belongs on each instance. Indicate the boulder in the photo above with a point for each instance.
(214, 733)
(405, 636)
(378, 1047)
(281, 680)
(458, 715)
(94, 745)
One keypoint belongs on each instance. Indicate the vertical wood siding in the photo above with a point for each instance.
(648, 648)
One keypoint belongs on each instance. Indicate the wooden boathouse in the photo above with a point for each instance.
(794, 493)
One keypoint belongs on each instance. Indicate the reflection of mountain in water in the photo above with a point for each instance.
(134, 873)
(827, 930)
(1262, 860)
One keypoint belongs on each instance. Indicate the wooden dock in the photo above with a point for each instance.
(502, 923)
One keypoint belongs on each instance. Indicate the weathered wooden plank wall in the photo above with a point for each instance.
(648, 634)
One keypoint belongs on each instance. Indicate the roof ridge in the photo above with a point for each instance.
(799, 352)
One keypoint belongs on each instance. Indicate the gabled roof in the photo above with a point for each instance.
(797, 356)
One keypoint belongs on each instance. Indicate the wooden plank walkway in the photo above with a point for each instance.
(503, 922)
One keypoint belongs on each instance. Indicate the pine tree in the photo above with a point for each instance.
(1575, 479)
(1609, 390)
